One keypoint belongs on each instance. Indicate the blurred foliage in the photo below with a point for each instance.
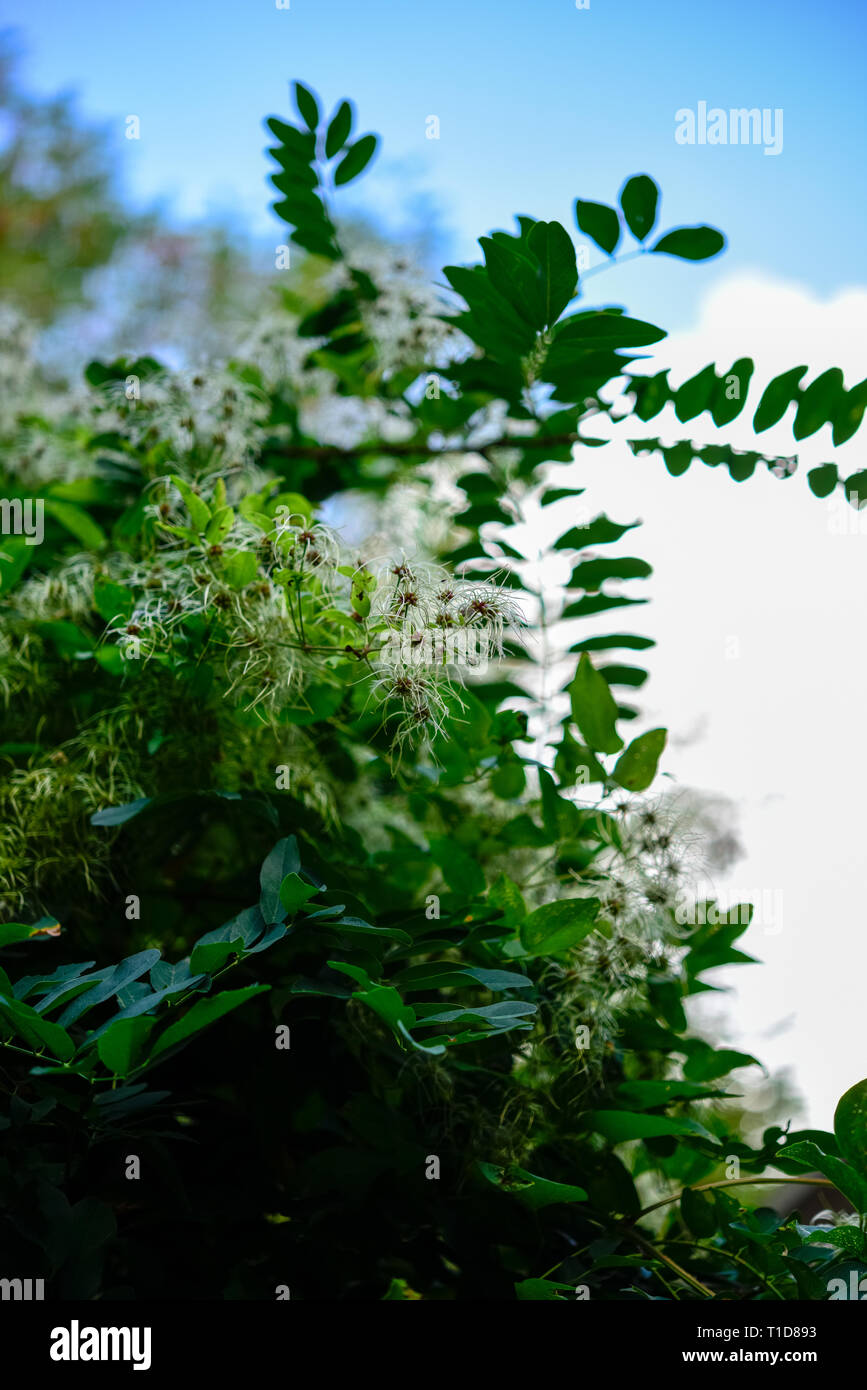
(60, 215)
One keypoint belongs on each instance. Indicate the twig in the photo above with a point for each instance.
(729, 1182)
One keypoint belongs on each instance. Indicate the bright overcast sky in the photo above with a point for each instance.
(758, 609)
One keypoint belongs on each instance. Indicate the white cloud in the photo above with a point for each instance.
(758, 610)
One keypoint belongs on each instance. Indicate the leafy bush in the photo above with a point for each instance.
(404, 940)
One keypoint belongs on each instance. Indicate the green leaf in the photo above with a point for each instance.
(356, 926)
(591, 574)
(552, 246)
(493, 321)
(284, 859)
(699, 1212)
(299, 143)
(13, 932)
(819, 403)
(462, 873)
(594, 709)
(706, 1063)
(845, 1178)
(355, 972)
(612, 640)
(36, 1031)
(730, 395)
(574, 763)
(78, 523)
(651, 394)
(294, 893)
(399, 1291)
(387, 1002)
(47, 985)
(855, 489)
(505, 895)
(850, 413)
(308, 107)
(129, 969)
(555, 927)
(541, 1291)
(119, 815)
(508, 780)
(432, 1049)
(850, 1125)
(15, 555)
(600, 223)
(776, 397)
(112, 600)
(639, 198)
(165, 975)
(448, 974)
(66, 990)
(240, 568)
(321, 700)
(120, 1047)
(695, 395)
(202, 1014)
(691, 243)
(847, 1238)
(210, 956)
(502, 1015)
(823, 480)
(618, 1126)
(600, 531)
(517, 278)
(355, 160)
(200, 512)
(360, 595)
(598, 329)
(645, 1095)
(635, 769)
(69, 640)
(338, 130)
(533, 1191)
(219, 525)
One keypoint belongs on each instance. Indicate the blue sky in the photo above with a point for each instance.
(538, 101)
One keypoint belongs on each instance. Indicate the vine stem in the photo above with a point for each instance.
(655, 1254)
(736, 1259)
(43, 1056)
(615, 260)
(405, 449)
(729, 1182)
(648, 1249)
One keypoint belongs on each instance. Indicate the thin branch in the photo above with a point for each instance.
(615, 260)
(402, 449)
(729, 1255)
(729, 1182)
(655, 1254)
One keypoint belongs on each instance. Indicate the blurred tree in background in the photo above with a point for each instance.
(60, 214)
(93, 274)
